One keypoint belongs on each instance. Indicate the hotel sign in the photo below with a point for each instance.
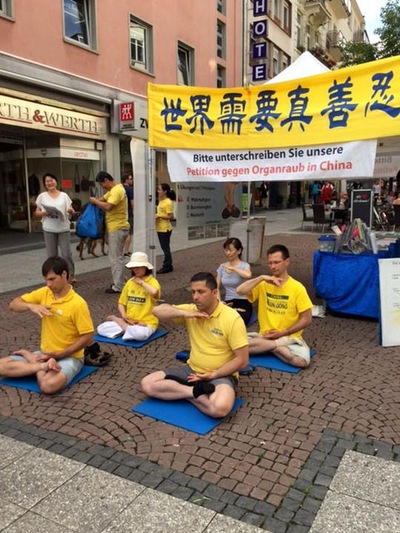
(43, 117)
(259, 33)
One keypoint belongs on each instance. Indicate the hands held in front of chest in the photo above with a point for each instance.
(274, 280)
(40, 310)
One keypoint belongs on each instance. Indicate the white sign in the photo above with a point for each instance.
(333, 161)
(200, 203)
(49, 118)
(387, 166)
(389, 286)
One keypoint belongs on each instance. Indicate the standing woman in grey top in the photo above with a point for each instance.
(231, 274)
(54, 208)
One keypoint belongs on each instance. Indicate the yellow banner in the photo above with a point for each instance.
(354, 103)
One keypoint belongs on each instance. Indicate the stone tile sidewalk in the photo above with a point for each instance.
(269, 465)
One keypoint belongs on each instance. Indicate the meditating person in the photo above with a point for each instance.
(135, 305)
(218, 350)
(284, 310)
(231, 274)
(66, 328)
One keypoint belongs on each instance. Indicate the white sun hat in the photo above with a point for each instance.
(139, 259)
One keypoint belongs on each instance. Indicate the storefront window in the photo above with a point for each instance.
(13, 205)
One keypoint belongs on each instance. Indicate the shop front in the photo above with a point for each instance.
(37, 138)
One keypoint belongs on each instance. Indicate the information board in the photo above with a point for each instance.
(361, 205)
(389, 287)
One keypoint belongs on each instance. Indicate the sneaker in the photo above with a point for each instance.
(235, 211)
(165, 270)
(226, 213)
(111, 290)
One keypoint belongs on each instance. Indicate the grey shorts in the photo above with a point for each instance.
(70, 366)
(301, 350)
(184, 371)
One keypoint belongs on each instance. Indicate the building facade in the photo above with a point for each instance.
(278, 32)
(73, 85)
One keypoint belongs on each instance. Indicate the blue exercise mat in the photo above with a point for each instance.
(130, 344)
(270, 361)
(182, 414)
(30, 382)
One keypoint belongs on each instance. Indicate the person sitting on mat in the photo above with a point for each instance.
(231, 274)
(66, 328)
(219, 349)
(284, 310)
(135, 305)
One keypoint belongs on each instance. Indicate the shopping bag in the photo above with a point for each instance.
(91, 223)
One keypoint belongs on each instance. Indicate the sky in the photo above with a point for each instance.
(371, 10)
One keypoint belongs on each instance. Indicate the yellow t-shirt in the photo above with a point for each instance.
(280, 307)
(213, 340)
(117, 218)
(70, 318)
(138, 302)
(164, 208)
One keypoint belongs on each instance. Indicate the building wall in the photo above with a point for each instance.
(36, 34)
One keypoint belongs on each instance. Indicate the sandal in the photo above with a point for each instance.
(99, 359)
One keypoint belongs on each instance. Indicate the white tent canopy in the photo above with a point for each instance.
(304, 66)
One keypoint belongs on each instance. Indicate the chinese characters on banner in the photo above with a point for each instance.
(354, 103)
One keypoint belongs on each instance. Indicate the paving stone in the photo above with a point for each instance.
(253, 519)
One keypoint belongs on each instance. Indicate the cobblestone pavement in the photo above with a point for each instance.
(271, 463)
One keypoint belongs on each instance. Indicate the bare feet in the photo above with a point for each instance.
(53, 365)
(287, 341)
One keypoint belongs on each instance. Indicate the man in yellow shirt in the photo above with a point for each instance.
(219, 349)
(284, 310)
(66, 328)
(115, 204)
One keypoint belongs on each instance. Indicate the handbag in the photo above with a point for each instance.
(91, 223)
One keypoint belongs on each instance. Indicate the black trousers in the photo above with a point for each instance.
(164, 239)
(238, 303)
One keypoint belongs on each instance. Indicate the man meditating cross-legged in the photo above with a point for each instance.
(219, 349)
(66, 328)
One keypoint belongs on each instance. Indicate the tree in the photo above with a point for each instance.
(355, 53)
(389, 33)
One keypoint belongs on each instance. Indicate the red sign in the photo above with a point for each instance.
(127, 116)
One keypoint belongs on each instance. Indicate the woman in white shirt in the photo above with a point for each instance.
(54, 207)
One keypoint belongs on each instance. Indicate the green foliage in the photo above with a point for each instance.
(389, 34)
(357, 53)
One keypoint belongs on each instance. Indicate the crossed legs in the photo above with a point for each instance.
(296, 354)
(216, 404)
(24, 363)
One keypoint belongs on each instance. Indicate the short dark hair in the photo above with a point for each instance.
(236, 243)
(55, 264)
(275, 248)
(209, 278)
(102, 175)
(49, 175)
(125, 177)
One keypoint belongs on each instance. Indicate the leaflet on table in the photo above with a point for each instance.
(53, 212)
